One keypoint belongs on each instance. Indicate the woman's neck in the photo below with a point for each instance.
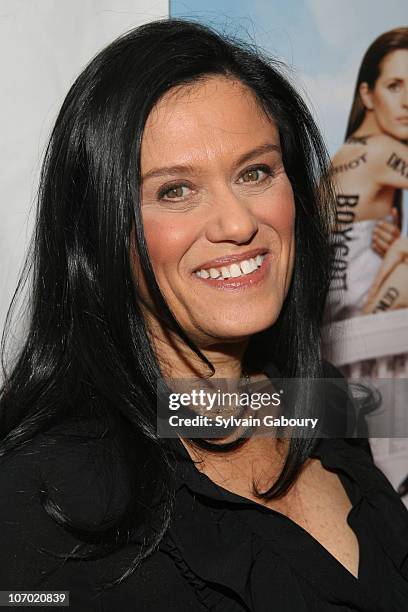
(177, 360)
(369, 126)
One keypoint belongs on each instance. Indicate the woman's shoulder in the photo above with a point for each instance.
(350, 149)
(73, 474)
(365, 147)
(376, 148)
(78, 463)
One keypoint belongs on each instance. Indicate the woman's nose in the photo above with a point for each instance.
(232, 219)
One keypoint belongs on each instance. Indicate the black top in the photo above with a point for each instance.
(222, 552)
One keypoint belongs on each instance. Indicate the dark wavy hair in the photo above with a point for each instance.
(87, 351)
(370, 71)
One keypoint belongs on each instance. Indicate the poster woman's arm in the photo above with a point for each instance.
(385, 233)
(390, 157)
(390, 287)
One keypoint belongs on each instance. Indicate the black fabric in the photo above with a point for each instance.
(257, 559)
(222, 552)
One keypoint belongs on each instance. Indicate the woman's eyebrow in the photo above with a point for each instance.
(166, 170)
(268, 147)
(180, 169)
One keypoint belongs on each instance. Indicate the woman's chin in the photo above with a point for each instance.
(235, 331)
(399, 132)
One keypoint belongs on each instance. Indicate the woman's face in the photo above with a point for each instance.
(389, 96)
(218, 210)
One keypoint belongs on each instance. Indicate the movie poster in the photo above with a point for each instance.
(350, 62)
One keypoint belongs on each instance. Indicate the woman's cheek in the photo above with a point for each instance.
(167, 239)
(279, 212)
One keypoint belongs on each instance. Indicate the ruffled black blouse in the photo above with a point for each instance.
(239, 555)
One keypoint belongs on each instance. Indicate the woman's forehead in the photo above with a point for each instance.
(210, 117)
(395, 64)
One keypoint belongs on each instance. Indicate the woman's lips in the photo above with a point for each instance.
(230, 259)
(241, 282)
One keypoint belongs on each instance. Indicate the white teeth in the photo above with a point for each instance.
(249, 266)
(246, 266)
(234, 270)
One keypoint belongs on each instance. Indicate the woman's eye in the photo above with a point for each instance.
(394, 86)
(174, 192)
(255, 175)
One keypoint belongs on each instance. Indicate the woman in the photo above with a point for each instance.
(177, 161)
(369, 170)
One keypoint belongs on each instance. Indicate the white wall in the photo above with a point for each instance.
(44, 44)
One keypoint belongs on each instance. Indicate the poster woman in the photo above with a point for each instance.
(369, 171)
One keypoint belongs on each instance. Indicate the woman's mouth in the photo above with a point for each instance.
(244, 273)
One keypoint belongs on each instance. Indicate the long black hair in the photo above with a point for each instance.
(87, 351)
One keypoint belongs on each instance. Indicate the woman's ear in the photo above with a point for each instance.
(366, 96)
